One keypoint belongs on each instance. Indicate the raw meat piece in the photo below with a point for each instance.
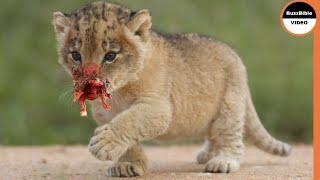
(87, 85)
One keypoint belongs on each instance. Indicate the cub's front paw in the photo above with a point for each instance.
(105, 145)
(222, 164)
(127, 169)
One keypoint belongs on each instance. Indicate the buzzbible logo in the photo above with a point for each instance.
(298, 18)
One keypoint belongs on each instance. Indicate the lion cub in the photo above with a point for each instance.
(163, 87)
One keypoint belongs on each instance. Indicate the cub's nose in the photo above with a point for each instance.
(90, 69)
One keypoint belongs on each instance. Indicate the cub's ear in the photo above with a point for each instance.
(61, 25)
(140, 24)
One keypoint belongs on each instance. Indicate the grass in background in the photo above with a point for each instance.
(36, 95)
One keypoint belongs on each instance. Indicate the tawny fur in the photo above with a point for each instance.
(163, 87)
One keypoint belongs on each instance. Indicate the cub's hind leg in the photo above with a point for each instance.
(226, 139)
(226, 133)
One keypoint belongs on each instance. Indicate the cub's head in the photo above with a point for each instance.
(107, 36)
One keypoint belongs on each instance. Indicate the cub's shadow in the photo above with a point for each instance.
(183, 168)
(193, 167)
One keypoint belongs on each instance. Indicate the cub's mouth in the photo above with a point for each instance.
(89, 86)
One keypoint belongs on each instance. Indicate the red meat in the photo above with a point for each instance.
(87, 85)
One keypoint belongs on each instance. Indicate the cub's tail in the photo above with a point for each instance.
(259, 135)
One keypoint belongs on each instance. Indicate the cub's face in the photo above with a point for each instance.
(106, 36)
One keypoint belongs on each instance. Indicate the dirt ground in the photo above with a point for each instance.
(167, 162)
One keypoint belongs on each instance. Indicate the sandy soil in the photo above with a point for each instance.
(170, 162)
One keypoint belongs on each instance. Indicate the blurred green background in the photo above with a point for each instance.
(35, 94)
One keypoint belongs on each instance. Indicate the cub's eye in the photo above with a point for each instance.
(76, 56)
(109, 57)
